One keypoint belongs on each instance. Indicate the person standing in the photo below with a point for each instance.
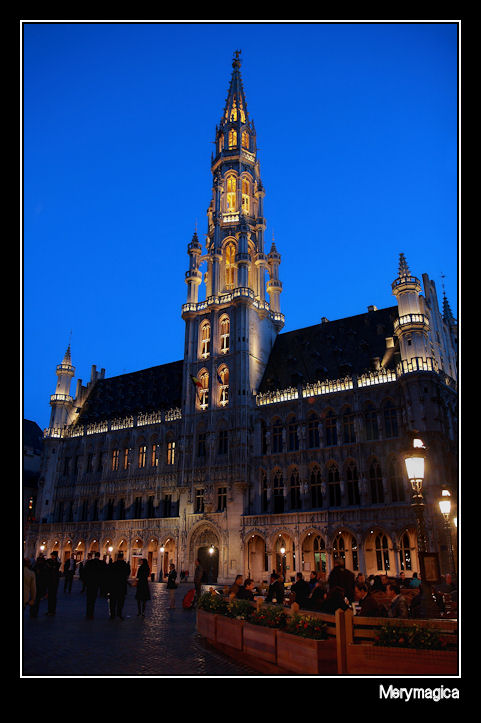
(171, 584)
(68, 573)
(40, 584)
(29, 585)
(94, 580)
(301, 590)
(142, 593)
(118, 575)
(52, 578)
(340, 576)
(198, 575)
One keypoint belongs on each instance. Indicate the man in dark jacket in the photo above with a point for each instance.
(52, 569)
(340, 576)
(367, 605)
(118, 573)
(94, 578)
(301, 589)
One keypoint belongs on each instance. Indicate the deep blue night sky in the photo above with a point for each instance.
(357, 141)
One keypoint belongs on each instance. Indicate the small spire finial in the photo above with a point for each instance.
(403, 266)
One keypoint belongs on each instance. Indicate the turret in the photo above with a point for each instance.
(274, 286)
(61, 402)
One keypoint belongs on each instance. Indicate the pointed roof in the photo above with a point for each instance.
(235, 109)
(403, 266)
(447, 313)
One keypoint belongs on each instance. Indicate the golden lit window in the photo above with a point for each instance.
(231, 193)
(203, 392)
(232, 138)
(115, 459)
(241, 113)
(221, 142)
(223, 379)
(245, 140)
(245, 195)
(154, 461)
(171, 452)
(230, 265)
(233, 113)
(142, 455)
(205, 340)
(224, 334)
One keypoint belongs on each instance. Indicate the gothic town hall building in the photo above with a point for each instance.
(259, 449)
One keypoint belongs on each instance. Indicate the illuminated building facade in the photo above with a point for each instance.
(259, 449)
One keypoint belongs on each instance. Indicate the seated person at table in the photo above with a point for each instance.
(246, 591)
(368, 607)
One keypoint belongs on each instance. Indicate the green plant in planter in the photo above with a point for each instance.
(269, 617)
(402, 636)
(213, 603)
(307, 627)
(240, 609)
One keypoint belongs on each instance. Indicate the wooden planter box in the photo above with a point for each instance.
(368, 659)
(229, 631)
(206, 624)
(260, 642)
(306, 656)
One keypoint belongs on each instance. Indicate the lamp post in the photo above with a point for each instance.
(445, 507)
(414, 461)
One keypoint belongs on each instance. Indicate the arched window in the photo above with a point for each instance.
(382, 553)
(292, 436)
(277, 436)
(223, 379)
(171, 451)
(278, 490)
(313, 431)
(352, 480)
(348, 429)
(245, 140)
(231, 189)
(316, 487)
(142, 455)
(355, 556)
(390, 419)
(205, 339)
(395, 481)
(339, 548)
(370, 421)
(334, 485)
(224, 334)
(319, 548)
(230, 265)
(245, 195)
(203, 391)
(221, 142)
(295, 489)
(405, 553)
(375, 479)
(330, 427)
(232, 138)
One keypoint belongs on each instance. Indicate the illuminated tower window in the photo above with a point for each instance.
(224, 334)
(203, 392)
(142, 455)
(245, 140)
(232, 138)
(245, 195)
(115, 460)
(230, 266)
(233, 113)
(205, 340)
(223, 378)
(171, 452)
(231, 194)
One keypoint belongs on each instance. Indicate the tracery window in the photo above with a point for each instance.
(277, 436)
(382, 553)
(370, 421)
(375, 479)
(223, 379)
(245, 140)
(245, 195)
(405, 562)
(390, 420)
(203, 391)
(330, 426)
(224, 334)
(171, 451)
(313, 431)
(142, 455)
(115, 460)
(231, 188)
(352, 484)
(316, 487)
(292, 436)
(205, 339)
(295, 489)
(232, 138)
(278, 490)
(230, 265)
(339, 548)
(334, 485)
(348, 429)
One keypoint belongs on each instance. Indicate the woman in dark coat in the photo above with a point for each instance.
(142, 593)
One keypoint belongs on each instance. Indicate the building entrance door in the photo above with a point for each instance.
(210, 563)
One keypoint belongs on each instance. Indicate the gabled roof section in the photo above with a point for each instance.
(330, 350)
(156, 388)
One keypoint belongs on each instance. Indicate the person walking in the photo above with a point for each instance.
(142, 593)
(52, 579)
(171, 584)
(94, 579)
(118, 575)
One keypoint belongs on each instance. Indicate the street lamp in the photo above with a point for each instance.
(414, 461)
(445, 507)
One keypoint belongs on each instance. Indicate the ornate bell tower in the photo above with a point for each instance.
(230, 333)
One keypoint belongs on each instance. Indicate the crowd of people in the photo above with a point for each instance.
(100, 579)
(375, 596)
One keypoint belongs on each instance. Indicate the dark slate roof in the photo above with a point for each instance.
(147, 390)
(32, 435)
(330, 350)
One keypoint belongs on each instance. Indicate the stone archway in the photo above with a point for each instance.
(205, 546)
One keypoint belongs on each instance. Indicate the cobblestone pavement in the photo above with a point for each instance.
(164, 643)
